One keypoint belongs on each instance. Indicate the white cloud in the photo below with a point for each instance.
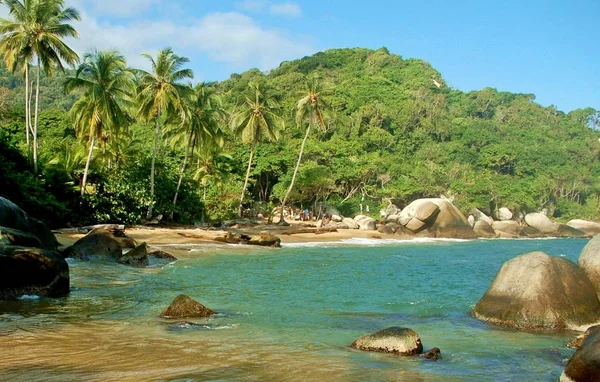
(252, 5)
(120, 8)
(286, 9)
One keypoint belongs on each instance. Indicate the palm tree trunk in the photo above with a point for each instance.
(185, 158)
(35, 121)
(246, 181)
(27, 114)
(287, 194)
(154, 152)
(87, 166)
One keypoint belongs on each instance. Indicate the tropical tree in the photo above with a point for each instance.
(161, 93)
(35, 32)
(255, 120)
(309, 107)
(106, 83)
(200, 126)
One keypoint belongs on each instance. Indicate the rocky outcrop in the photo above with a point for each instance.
(117, 235)
(589, 261)
(478, 215)
(32, 271)
(424, 210)
(396, 340)
(10, 236)
(483, 229)
(351, 223)
(137, 257)
(510, 227)
(504, 213)
(264, 239)
(185, 307)
(95, 246)
(439, 217)
(13, 217)
(563, 230)
(540, 222)
(590, 228)
(538, 291)
(578, 341)
(584, 364)
(366, 223)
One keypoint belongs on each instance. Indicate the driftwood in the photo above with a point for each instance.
(86, 229)
(316, 231)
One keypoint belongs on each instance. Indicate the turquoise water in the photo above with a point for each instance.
(286, 314)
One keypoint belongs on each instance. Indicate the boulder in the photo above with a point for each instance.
(415, 225)
(386, 229)
(538, 291)
(158, 254)
(337, 218)
(450, 222)
(32, 271)
(265, 239)
(578, 341)
(471, 220)
(404, 232)
(96, 246)
(367, 224)
(397, 340)
(12, 216)
(483, 229)
(392, 219)
(540, 222)
(185, 307)
(510, 227)
(358, 218)
(404, 220)
(530, 232)
(116, 234)
(432, 354)
(10, 236)
(351, 223)
(390, 210)
(564, 230)
(426, 210)
(504, 213)
(584, 364)
(589, 227)
(137, 257)
(589, 261)
(478, 215)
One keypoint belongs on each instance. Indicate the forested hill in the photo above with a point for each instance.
(394, 132)
(397, 132)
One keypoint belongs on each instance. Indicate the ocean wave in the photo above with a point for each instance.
(357, 242)
(29, 297)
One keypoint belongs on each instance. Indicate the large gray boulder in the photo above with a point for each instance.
(589, 261)
(589, 227)
(540, 222)
(424, 210)
(13, 217)
(510, 227)
(483, 229)
(32, 271)
(584, 364)
(504, 213)
(95, 246)
(478, 215)
(366, 223)
(538, 291)
(351, 223)
(439, 217)
(397, 340)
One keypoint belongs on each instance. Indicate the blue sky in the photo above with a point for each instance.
(548, 48)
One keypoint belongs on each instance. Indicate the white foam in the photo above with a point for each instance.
(360, 242)
(29, 297)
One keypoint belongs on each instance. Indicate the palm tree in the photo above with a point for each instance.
(106, 83)
(160, 92)
(200, 127)
(35, 32)
(256, 119)
(310, 107)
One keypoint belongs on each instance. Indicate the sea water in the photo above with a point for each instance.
(284, 314)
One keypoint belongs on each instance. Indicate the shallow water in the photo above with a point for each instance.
(286, 314)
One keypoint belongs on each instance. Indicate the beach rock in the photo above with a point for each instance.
(12, 216)
(479, 215)
(95, 246)
(158, 254)
(351, 223)
(265, 239)
(432, 354)
(358, 218)
(450, 222)
(584, 364)
(425, 210)
(10, 236)
(397, 340)
(538, 291)
(137, 257)
(510, 227)
(578, 341)
(117, 235)
(589, 261)
(504, 213)
(32, 271)
(367, 224)
(530, 232)
(392, 219)
(390, 210)
(185, 307)
(386, 229)
(319, 223)
(404, 220)
(483, 229)
(540, 222)
(415, 225)
(589, 227)
(336, 218)
(564, 230)
(471, 220)
(404, 232)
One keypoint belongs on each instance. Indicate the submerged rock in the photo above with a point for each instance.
(397, 340)
(32, 271)
(265, 240)
(185, 307)
(137, 257)
(95, 246)
(584, 365)
(537, 291)
(432, 354)
(158, 254)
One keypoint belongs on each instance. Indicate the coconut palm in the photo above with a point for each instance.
(199, 127)
(255, 120)
(161, 93)
(309, 107)
(36, 31)
(106, 83)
